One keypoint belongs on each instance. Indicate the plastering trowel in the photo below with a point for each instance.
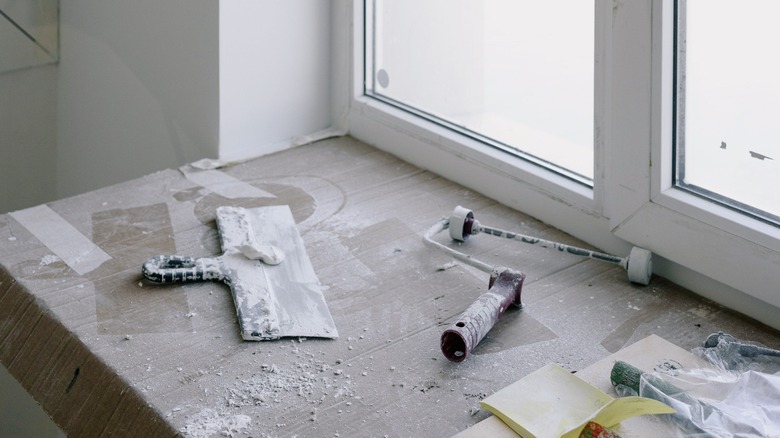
(264, 261)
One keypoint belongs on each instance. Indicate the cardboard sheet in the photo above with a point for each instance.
(105, 353)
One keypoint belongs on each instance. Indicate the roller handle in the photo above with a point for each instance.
(460, 339)
(638, 264)
(179, 269)
(629, 376)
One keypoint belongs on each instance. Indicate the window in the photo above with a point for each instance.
(728, 138)
(709, 247)
(517, 75)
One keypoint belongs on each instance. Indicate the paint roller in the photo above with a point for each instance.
(504, 289)
(638, 264)
(505, 285)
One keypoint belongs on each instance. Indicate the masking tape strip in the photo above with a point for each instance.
(62, 238)
(225, 185)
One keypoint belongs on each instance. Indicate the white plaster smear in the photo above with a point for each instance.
(209, 423)
(208, 164)
(238, 234)
(281, 300)
(268, 254)
(62, 238)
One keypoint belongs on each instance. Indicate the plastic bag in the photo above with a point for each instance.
(739, 396)
(719, 404)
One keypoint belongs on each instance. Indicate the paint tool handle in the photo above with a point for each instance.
(656, 388)
(460, 339)
(179, 269)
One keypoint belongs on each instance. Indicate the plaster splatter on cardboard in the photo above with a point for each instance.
(311, 382)
(49, 259)
(209, 423)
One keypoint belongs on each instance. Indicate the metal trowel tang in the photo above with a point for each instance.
(275, 289)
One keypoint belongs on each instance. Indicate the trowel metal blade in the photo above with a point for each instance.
(272, 301)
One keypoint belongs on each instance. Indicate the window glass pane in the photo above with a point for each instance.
(515, 74)
(728, 103)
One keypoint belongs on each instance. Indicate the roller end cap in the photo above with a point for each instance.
(461, 223)
(640, 266)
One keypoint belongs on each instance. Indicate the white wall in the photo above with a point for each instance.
(154, 84)
(150, 84)
(275, 78)
(28, 96)
(37, 45)
(28, 136)
(138, 89)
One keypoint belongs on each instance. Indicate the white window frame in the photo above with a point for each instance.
(714, 251)
(740, 253)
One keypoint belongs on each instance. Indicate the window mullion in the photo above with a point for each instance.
(627, 151)
(692, 239)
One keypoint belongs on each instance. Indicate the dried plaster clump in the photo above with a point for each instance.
(314, 381)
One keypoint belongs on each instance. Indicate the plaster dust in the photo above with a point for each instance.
(307, 383)
(49, 259)
(212, 423)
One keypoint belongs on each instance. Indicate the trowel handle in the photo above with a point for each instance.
(178, 269)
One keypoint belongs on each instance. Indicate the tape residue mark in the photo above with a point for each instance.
(225, 185)
(62, 238)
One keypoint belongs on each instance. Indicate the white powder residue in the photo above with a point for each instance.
(350, 224)
(208, 164)
(309, 382)
(49, 259)
(446, 266)
(210, 423)
(273, 385)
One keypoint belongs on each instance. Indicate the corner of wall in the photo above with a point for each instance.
(28, 115)
(274, 75)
